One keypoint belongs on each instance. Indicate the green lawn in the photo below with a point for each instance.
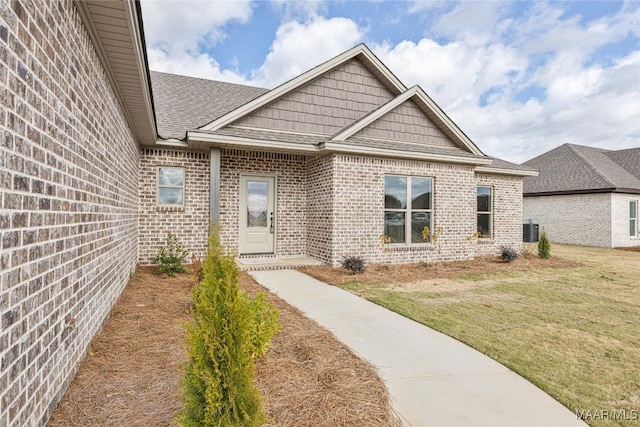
(574, 332)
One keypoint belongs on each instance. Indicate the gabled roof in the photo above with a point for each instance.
(186, 103)
(574, 169)
(426, 104)
(360, 51)
(183, 104)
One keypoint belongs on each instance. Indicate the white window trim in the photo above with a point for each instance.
(182, 187)
(408, 211)
(489, 213)
(633, 219)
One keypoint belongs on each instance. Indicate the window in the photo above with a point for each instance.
(408, 204)
(170, 186)
(633, 218)
(485, 212)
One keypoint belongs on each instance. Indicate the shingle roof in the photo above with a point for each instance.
(503, 164)
(275, 136)
(572, 168)
(185, 103)
(410, 147)
(629, 159)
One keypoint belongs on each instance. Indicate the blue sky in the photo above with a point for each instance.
(518, 77)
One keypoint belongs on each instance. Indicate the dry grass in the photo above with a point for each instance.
(568, 324)
(131, 375)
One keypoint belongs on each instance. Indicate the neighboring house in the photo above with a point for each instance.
(342, 160)
(585, 195)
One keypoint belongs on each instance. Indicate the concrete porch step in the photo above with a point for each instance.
(270, 262)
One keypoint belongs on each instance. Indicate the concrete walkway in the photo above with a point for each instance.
(433, 379)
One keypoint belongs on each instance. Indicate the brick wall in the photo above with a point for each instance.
(579, 219)
(359, 209)
(68, 198)
(507, 213)
(190, 223)
(320, 208)
(291, 196)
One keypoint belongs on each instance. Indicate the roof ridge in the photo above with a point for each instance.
(209, 80)
(591, 165)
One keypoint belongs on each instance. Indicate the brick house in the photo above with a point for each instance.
(322, 166)
(99, 158)
(585, 196)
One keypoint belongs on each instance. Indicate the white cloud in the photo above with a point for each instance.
(299, 47)
(176, 27)
(476, 78)
(300, 9)
(202, 65)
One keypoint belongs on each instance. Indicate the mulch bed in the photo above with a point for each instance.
(630, 249)
(406, 273)
(132, 372)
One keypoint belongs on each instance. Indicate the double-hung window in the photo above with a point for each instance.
(633, 218)
(170, 186)
(485, 211)
(408, 208)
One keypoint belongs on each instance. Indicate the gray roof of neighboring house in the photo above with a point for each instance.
(186, 103)
(572, 168)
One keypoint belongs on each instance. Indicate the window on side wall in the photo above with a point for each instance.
(485, 212)
(408, 209)
(170, 187)
(633, 218)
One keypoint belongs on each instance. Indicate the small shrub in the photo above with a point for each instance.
(265, 319)
(508, 254)
(171, 257)
(354, 264)
(544, 246)
(227, 333)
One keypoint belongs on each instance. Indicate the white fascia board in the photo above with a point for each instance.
(302, 79)
(455, 130)
(172, 143)
(219, 140)
(502, 171)
(381, 152)
(133, 22)
(367, 120)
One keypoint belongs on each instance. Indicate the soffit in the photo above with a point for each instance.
(115, 28)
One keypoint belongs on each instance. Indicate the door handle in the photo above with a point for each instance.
(271, 228)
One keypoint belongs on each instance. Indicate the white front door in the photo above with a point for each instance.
(257, 215)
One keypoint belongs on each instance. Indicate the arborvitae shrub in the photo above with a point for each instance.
(171, 257)
(218, 385)
(544, 246)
